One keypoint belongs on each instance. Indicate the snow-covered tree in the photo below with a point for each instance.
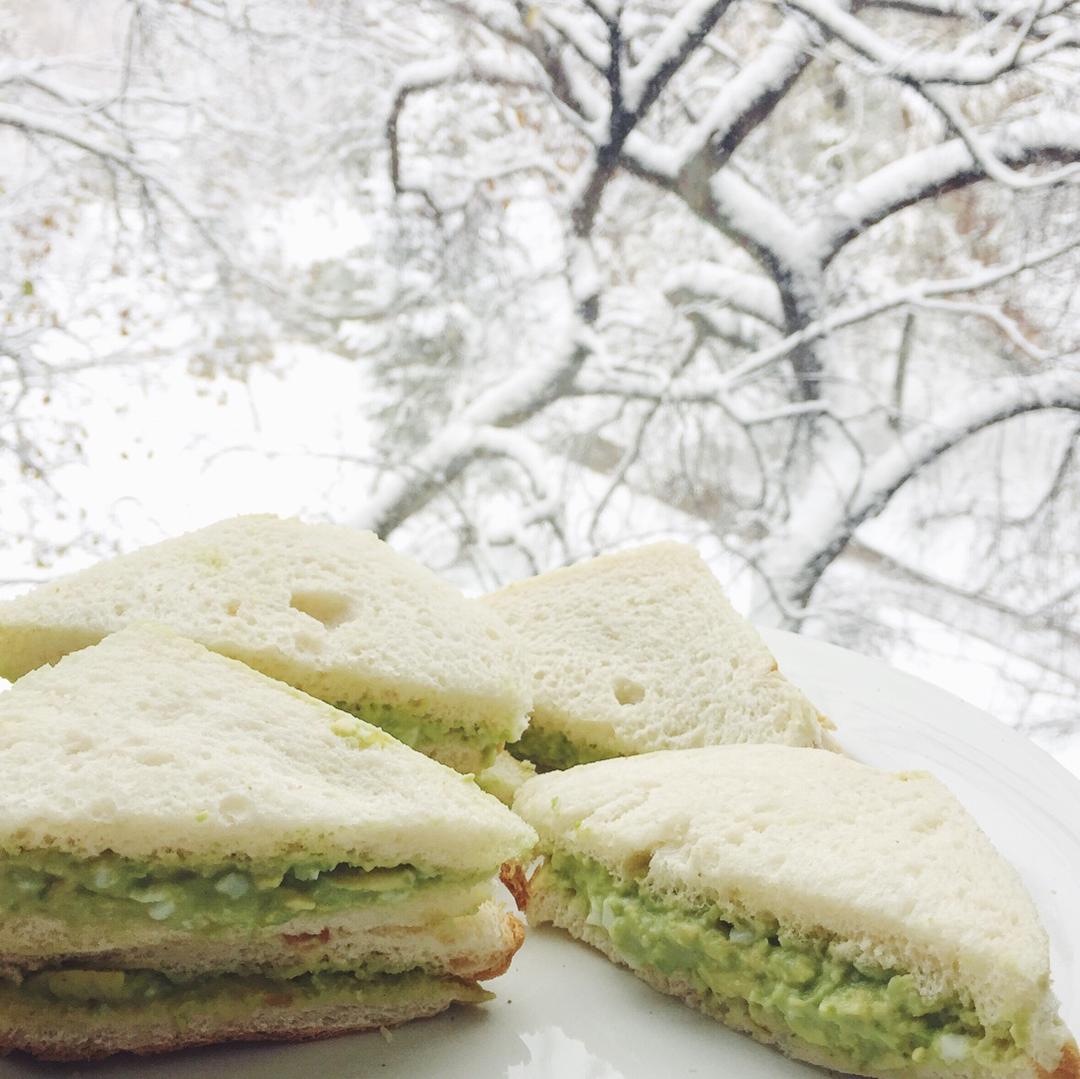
(798, 280)
(866, 220)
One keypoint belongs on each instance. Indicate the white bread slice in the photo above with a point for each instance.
(475, 945)
(641, 650)
(152, 747)
(328, 609)
(889, 865)
(48, 1034)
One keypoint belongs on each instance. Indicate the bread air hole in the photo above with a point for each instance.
(154, 757)
(329, 608)
(628, 692)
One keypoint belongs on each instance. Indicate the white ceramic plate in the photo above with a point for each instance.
(563, 1012)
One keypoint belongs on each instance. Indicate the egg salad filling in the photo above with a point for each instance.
(458, 746)
(110, 890)
(95, 997)
(755, 975)
(553, 750)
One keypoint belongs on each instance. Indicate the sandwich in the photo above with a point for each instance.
(191, 852)
(854, 918)
(330, 610)
(640, 651)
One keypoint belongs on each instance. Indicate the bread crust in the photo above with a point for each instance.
(512, 874)
(1068, 1067)
(516, 937)
(265, 1025)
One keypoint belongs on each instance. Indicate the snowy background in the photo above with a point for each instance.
(518, 283)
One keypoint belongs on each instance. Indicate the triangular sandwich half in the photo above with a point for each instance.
(855, 918)
(191, 852)
(639, 651)
(331, 610)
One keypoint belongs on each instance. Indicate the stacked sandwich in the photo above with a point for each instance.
(330, 610)
(192, 852)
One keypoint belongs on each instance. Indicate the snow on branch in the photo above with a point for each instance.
(961, 65)
(518, 448)
(821, 527)
(411, 484)
(987, 405)
(1049, 137)
(1008, 326)
(748, 97)
(922, 293)
(596, 53)
(684, 32)
(486, 68)
(915, 294)
(984, 155)
(755, 221)
(752, 294)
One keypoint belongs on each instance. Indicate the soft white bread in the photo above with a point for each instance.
(91, 1035)
(888, 864)
(151, 746)
(641, 650)
(329, 609)
(474, 945)
(33, 939)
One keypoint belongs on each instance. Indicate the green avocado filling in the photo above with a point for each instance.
(110, 889)
(754, 973)
(87, 994)
(427, 734)
(553, 750)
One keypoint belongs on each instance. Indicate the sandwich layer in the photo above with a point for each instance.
(641, 651)
(109, 891)
(32, 936)
(328, 609)
(466, 749)
(84, 1015)
(151, 748)
(877, 888)
(780, 985)
(477, 944)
